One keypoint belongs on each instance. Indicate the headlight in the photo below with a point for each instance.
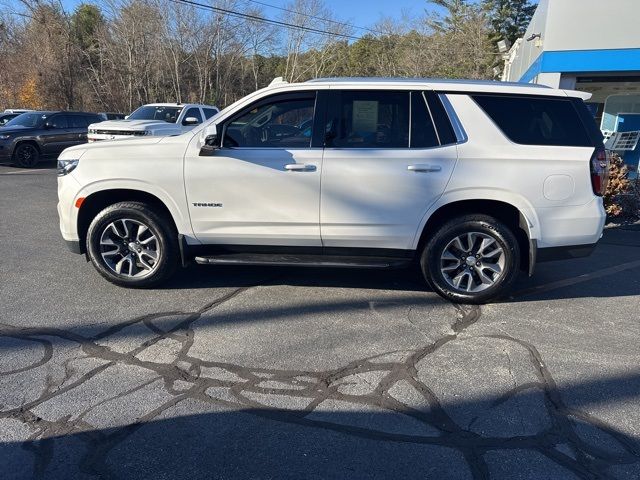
(5, 136)
(66, 166)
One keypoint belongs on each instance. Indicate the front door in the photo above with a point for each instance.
(57, 135)
(384, 165)
(262, 186)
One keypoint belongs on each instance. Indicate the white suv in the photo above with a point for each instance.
(156, 119)
(474, 181)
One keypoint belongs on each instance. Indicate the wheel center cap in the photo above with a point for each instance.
(470, 261)
(134, 247)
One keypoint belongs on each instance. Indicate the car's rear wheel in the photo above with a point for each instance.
(471, 259)
(131, 245)
(26, 155)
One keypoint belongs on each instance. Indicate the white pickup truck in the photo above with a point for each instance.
(155, 119)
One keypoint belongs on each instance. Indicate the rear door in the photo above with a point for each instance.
(384, 164)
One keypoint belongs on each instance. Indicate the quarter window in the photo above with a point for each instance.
(283, 123)
(533, 120)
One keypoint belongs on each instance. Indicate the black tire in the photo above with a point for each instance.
(443, 242)
(26, 155)
(133, 214)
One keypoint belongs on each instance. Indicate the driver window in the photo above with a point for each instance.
(58, 121)
(278, 124)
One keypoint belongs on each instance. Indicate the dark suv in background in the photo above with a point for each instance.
(32, 136)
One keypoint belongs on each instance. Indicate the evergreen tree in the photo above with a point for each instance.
(509, 18)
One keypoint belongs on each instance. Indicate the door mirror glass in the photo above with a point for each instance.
(209, 141)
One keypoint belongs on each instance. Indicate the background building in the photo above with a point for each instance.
(588, 45)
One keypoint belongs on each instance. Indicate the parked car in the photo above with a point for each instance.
(5, 117)
(473, 181)
(156, 119)
(16, 110)
(112, 116)
(34, 135)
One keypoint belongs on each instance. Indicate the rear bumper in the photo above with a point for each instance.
(564, 253)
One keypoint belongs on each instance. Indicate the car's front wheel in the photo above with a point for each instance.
(132, 246)
(26, 155)
(471, 259)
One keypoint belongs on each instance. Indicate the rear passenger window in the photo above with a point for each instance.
(372, 119)
(423, 134)
(532, 120)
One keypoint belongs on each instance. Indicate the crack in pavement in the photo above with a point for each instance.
(311, 388)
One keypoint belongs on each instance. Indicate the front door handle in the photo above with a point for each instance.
(424, 168)
(300, 167)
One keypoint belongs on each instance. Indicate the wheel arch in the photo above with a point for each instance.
(22, 141)
(509, 214)
(99, 200)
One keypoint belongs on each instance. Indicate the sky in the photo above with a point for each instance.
(356, 12)
(362, 13)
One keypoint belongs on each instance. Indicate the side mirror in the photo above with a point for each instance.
(48, 125)
(209, 141)
(190, 121)
(126, 117)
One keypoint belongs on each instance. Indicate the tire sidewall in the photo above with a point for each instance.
(430, 259)
(166, 242)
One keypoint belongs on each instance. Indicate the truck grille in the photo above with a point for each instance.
(119, 132)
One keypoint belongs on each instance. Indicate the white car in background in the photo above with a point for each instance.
(155, 119)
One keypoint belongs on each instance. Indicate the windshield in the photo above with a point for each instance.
(167, 114)
(26, 120)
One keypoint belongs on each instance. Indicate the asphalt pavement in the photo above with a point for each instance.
(276, 373)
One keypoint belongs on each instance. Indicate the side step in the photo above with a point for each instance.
(303, 260)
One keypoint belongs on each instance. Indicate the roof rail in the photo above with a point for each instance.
(277, 81)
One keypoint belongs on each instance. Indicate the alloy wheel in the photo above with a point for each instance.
(129, 248)
(472, 262)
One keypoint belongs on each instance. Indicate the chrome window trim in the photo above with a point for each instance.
(458, 129)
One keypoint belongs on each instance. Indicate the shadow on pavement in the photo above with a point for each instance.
(530, 433)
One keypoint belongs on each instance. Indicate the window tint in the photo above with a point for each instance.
(284, 123)
(441, 119)
(77, 121)
(209, 112)
(372, 119)
(93, 119)
(59, 121)
(423, 133)
(192, 112)
(532, 120)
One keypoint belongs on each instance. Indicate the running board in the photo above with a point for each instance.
(303, 260)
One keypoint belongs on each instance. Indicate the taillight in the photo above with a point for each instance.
(599, 171)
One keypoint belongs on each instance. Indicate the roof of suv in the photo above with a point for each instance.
(448, 85)
(178, 105)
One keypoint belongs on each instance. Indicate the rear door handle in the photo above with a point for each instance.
(424, 168)
(300, 167)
